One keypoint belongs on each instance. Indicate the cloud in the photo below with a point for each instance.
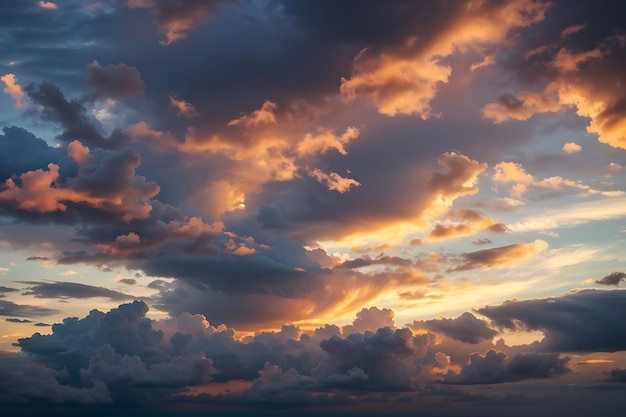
(106, 181)
(588, 80)
(614, 278)
(18, 320)
(520, 108)
(47, 5)
(617, 375)
(572, 147)
(501, 257)
(570, 30)
(184, 108)
(4, 289)
(114, 81)
(73, 116)
(495, 367)
(404, 78)
(66, 290)
(466, 328)
(523, 182)
(334, 181)
(177, 19)
(8, 308)
(581, 321)
(14, 90)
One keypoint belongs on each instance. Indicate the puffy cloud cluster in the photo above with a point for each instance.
(123, 356)
(106, 181)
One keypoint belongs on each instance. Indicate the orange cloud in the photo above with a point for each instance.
(265, 115)
(404, 79)
(42, 191)
(334, 181)
(184, 108)
(77, 152)
(501, 257)
(47, 5)
(13, 89)
(473, 222)
(325, 141)
(572, 147)
(522, 182)
(523, 108)
(591, 81)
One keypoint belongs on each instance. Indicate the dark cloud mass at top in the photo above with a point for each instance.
(296, 191)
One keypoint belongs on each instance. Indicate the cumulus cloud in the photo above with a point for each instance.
(572, 147)
(495, 367)
(114, 81)
(106, 181)
(520, 108)
(14, 90)
(466, 328)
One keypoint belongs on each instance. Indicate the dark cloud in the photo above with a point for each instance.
(114, 81)
(614, 278)
(8, 308)
(19, 320)
(21, 151)
(128, 281)
(617, 375)
(40, 289)
(4, 289)
(466, 328)
(73, 116)
(494, 368)
(37, 258)
(584, 321)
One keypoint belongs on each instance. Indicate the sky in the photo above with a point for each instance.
(313, 207)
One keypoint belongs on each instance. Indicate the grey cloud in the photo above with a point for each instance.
(114, 81)
(582, 321)
(128, 281)
(21, 151)
(614, 278)
(73, 116)
(617, 375)
(4, 289)
(494, 368)
(40, 289)
(8, 308)
(19, 320)
(466, 328)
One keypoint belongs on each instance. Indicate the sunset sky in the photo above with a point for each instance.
(313, 207)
